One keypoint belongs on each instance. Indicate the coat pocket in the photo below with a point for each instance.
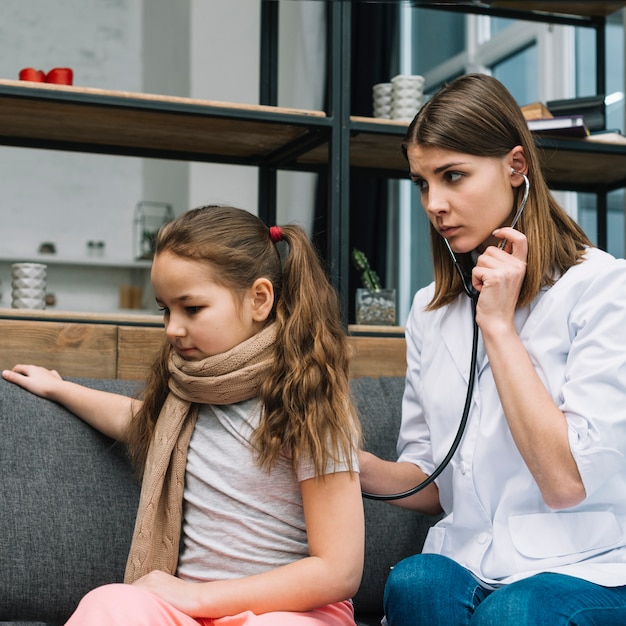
(552, 535)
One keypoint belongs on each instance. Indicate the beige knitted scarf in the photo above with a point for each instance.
(226, 378)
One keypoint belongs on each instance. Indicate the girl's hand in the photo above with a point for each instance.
(33, 378)
(498, 277)
(110, 413)
(179, 593)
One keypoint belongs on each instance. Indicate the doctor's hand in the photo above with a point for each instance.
(498, 277)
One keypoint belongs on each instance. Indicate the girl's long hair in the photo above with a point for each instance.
(307, 411)
(475, 114)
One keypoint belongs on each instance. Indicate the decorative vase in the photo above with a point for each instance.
(376, 307)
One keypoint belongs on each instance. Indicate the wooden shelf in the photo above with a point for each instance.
(111, 122)
(593, 8)
(583, 165)
(53, 259)
(541, 8)
(78, 317)
(135, 124)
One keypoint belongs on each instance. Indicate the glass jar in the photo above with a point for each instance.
(376, 307)
(149, 217)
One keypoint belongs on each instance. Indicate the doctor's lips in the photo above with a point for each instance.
(447, 231)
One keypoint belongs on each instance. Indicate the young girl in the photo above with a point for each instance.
(534, 525)
(250, 510)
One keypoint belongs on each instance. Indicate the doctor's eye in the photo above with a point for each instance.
(453, 177)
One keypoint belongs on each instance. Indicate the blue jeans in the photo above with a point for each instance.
(433, 590)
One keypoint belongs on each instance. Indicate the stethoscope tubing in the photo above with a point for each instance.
(472, 293)
(459, 434)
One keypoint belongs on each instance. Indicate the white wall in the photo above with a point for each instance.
(301, 82)
(207, 49)
(224, 65)
(64, 197)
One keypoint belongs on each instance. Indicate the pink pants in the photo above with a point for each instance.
(128, 605)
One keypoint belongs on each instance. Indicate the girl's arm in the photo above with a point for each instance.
(109, 413)
(335, 528)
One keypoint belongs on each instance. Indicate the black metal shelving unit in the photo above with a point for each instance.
(273, 138)
(570, 165)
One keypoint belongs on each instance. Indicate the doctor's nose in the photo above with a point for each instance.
(435, 202)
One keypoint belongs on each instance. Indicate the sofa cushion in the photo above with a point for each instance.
(67, 506)
(391, 533)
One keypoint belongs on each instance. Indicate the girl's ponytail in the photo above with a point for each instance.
(307, 395)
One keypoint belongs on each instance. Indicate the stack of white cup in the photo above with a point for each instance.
(28, 282)
(381, 95)
(406, 96)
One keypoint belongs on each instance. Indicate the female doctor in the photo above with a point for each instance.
(534, 498)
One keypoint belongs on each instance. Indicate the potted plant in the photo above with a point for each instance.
(374, 305)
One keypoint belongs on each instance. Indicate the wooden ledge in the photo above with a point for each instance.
(124, 346)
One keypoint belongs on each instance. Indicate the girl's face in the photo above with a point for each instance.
(201, 317)
(466, 197)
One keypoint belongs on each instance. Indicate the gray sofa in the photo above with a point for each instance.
(68, 502)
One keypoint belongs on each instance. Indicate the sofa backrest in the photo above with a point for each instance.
(391, 533)
(67, 506)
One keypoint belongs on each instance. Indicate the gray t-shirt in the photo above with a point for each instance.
(238, 520)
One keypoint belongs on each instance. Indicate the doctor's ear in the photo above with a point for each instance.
(516, 160)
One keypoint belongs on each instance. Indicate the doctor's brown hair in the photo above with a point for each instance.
(475, 114)
(307, 412)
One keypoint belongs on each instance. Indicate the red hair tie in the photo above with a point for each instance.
(276, 233)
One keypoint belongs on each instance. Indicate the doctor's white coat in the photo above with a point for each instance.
(496, 522)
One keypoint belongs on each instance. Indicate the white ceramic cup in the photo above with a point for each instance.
(29, 292)
(28, 303)
(28, 282)
(406, 96)
(413, 82)
(381, 97)
(28, 270)
(382, 90)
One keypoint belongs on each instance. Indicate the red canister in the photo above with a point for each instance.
(60, 76)
(33, 75)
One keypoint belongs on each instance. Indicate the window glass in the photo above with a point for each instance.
(614, 102)
(518, 73)
(437, 36)
(498, 24)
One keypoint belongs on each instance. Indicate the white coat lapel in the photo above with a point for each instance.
(456, 332)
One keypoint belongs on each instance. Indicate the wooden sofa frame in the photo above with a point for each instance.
(118, 346)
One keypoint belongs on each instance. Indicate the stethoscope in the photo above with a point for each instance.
(472, 294)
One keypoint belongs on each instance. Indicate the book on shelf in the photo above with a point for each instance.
(536, 111)
(591, 107)
(560, 125)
